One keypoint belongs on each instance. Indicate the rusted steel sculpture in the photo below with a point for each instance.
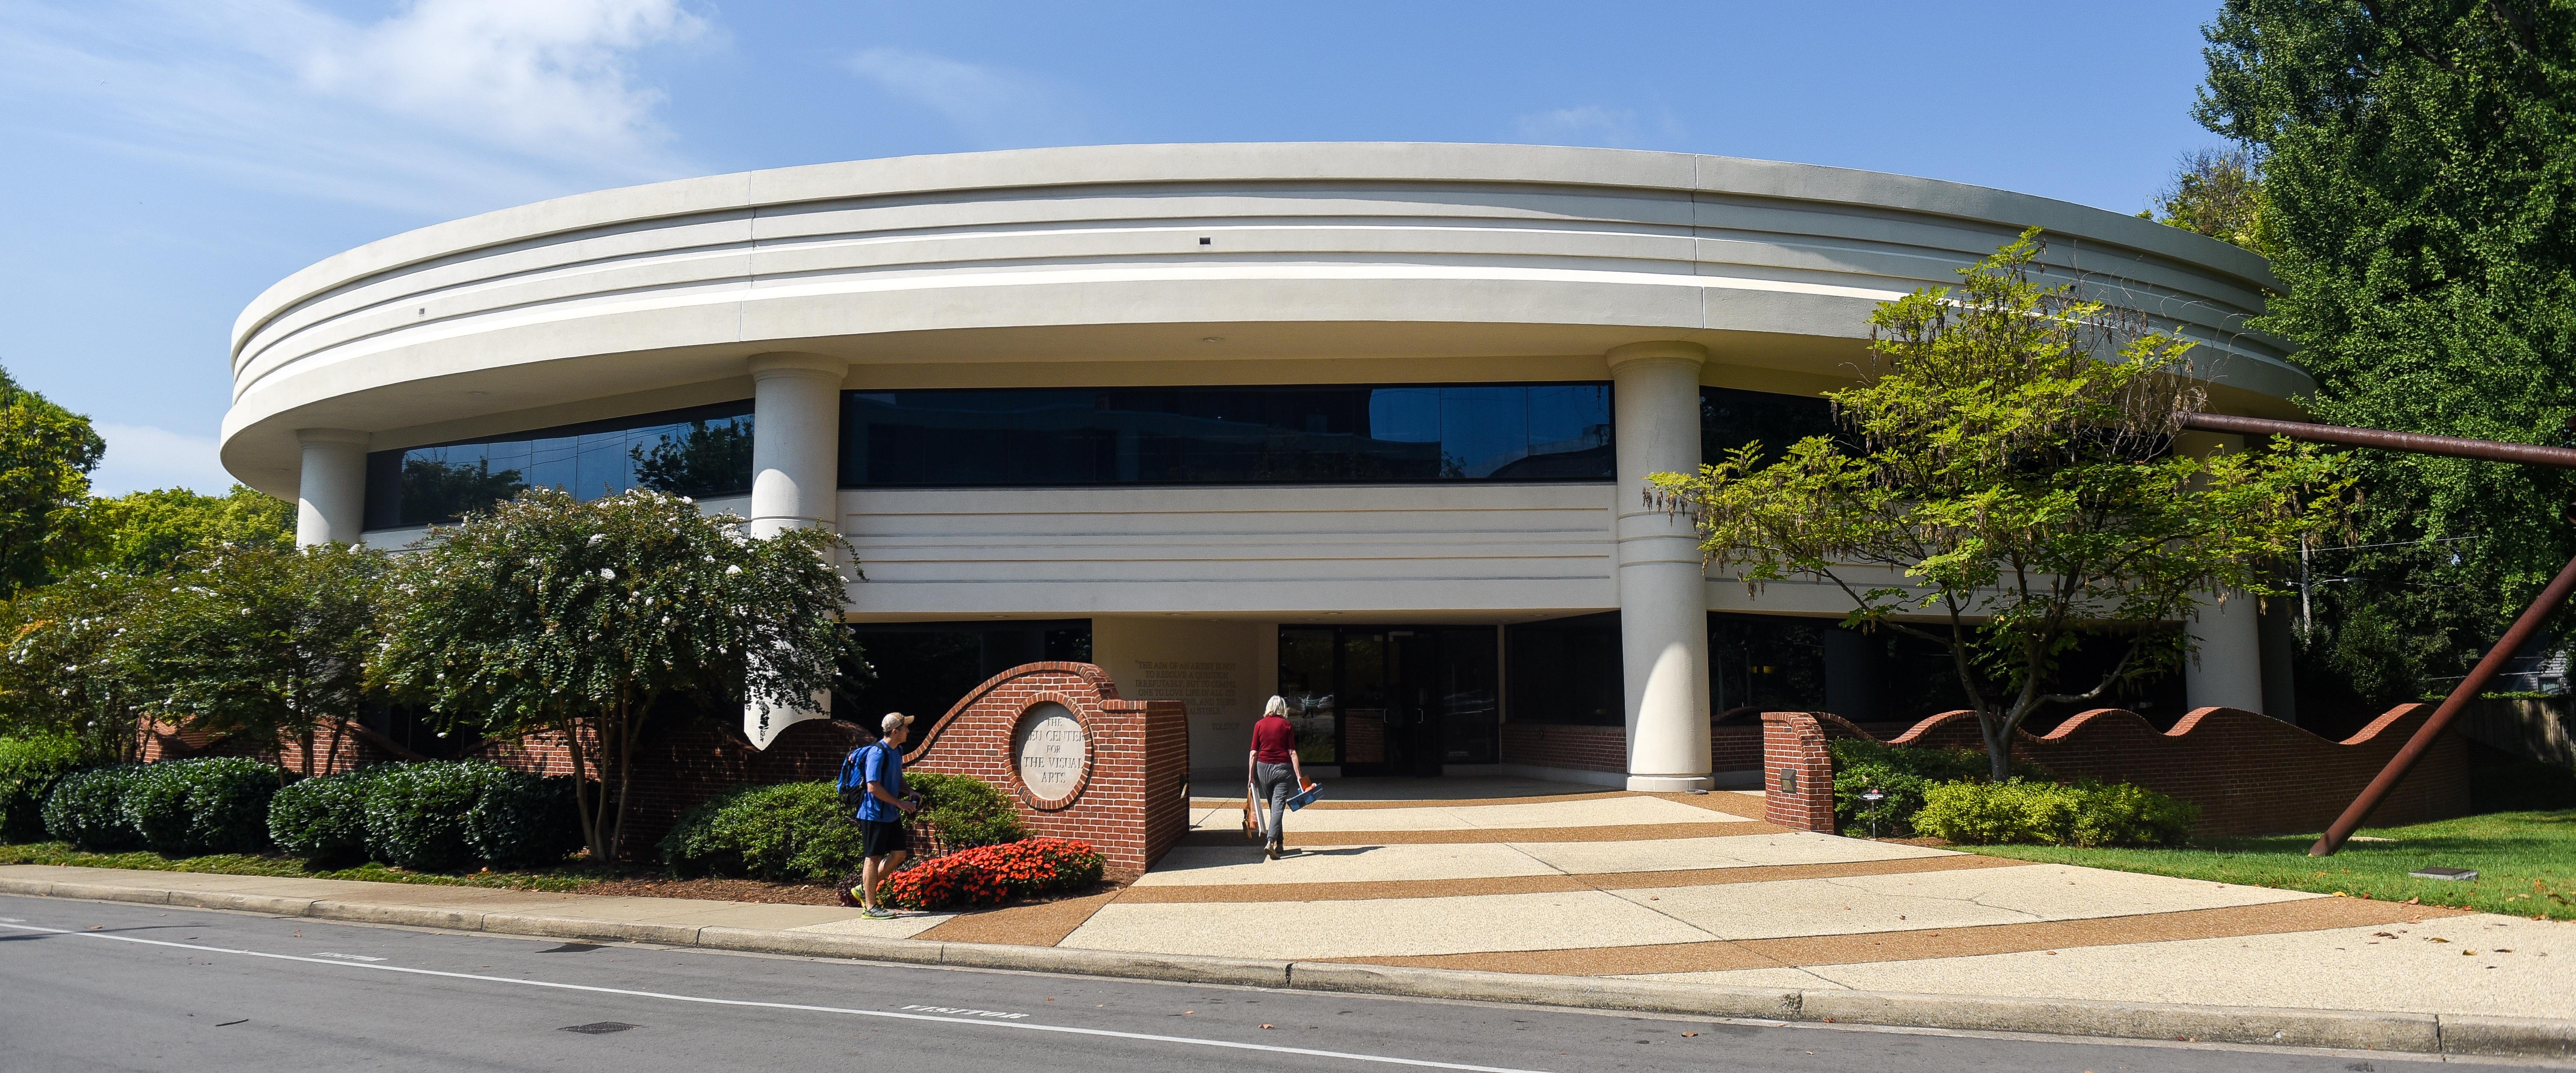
(2487, 668)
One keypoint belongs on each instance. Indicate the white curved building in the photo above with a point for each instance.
(1361, 423)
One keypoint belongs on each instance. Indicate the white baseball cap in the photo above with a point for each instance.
(895, 721)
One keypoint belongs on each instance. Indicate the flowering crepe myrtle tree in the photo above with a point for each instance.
(2012, 460)
(549, 613)
(264, 642)
(61, 672)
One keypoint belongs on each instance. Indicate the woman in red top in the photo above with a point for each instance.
(1272, 771)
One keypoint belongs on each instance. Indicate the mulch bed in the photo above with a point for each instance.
(721, 890)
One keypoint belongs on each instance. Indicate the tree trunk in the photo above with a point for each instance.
(580, 796)
(1997, 730)
(626, 716)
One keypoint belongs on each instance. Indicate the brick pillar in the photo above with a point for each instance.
(1797, 773)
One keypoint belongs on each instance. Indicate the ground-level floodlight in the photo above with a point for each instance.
(2512, 641)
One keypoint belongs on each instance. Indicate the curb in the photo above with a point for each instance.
(2446, 1034)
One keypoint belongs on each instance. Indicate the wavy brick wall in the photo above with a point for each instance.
(1133, 799)
(2249, 774)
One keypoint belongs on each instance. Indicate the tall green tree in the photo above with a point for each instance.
(149, 532)
(545, 613)
(2215, 192)
(268, 643)
(46, 455)
(2419, 199)
(2013, 487)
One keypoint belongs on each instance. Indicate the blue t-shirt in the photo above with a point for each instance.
(882, 765)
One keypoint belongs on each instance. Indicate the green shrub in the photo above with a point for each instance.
(29, 767)
(792, 832)
(190, 808)
(964, 811)
(2085, 814)
(416, 813)
(87, 809)
(522, 821)
(323, 820)
(1902, 774)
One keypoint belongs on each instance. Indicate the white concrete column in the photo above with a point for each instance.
(1663, 602)
(795, 442)
(795, 476)
(2226, 668)
(331, 489)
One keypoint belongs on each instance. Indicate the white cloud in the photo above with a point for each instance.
(444, 106)
(141, 457)
(1586, 125)
(1591, 124)
(995, 107)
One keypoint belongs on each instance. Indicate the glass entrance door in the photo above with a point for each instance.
(1391, 700)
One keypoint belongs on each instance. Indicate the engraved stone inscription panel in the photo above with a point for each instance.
(1050, 745)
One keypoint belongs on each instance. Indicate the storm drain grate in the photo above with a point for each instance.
(598, 1028)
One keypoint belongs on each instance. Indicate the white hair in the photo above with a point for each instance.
(1277, 706)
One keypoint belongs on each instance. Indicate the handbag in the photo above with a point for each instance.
(1251, 813)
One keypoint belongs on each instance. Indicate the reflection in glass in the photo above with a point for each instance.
(1730, 418)
(1766, 663)
(1225, 435)
(1566, 671)
(698, 452)
(1306, 683)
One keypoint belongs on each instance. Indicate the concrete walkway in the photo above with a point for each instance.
(1697, 888)
(1652, 891)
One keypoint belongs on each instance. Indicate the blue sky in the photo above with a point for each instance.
(171, 158)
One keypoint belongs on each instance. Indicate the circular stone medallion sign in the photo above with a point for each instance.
(1051, 748)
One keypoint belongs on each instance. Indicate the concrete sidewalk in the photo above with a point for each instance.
(1684, 903)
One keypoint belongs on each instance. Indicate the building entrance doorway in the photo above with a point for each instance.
(1392, 700)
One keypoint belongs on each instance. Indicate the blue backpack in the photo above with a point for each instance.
(853, 783)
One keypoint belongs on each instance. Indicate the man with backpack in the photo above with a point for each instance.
(872, 780)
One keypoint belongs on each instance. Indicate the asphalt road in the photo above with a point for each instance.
(90, 986)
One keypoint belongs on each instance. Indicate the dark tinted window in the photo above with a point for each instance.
(922, 669)
(1729, 419)
(701, 451)
(1767, 663)
(1565, 670)
(1227, 435)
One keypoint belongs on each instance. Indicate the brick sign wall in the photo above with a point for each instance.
(2249, 774)
(1130, 797)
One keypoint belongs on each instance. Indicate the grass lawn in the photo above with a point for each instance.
(2526, 862)
(238, 864)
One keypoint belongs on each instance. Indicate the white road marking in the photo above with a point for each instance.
(703, 1000)
(964, 1012)
(348, 957)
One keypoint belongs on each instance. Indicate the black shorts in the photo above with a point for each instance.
(878, 838)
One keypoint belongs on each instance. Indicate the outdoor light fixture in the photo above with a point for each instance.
(1872, 796)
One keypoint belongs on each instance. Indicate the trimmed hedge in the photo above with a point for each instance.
(790, 832)
(191, 808)
(964, 811)
(87, 809)
(520, 820)
(323, 820)
(415, 813)
(429, 816)
(1902, 774)
(2051, 814)
(29, 767)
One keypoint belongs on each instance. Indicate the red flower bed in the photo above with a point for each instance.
(991, 875)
